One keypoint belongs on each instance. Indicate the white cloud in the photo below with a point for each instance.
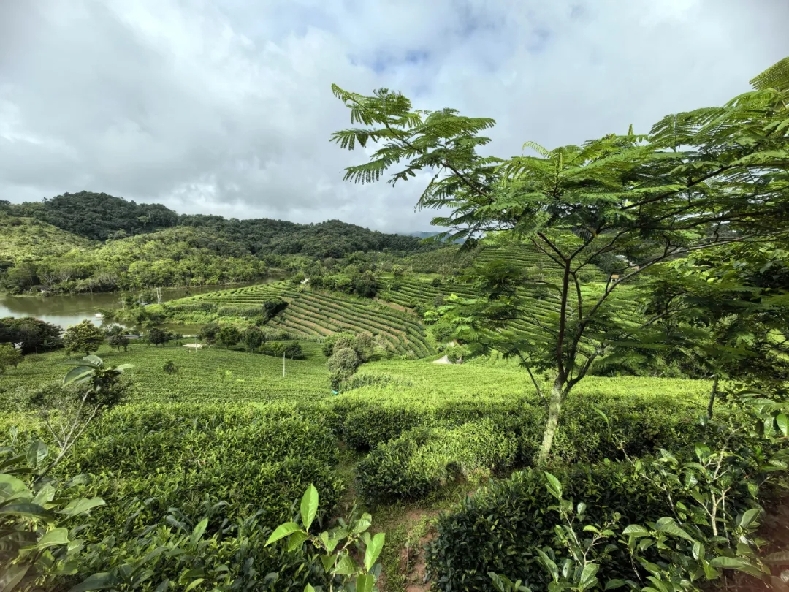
(225, 107)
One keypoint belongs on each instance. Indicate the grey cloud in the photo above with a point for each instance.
(225, 107)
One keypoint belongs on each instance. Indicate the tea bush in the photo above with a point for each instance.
(423, 460)
(595, 425)
(193, 456)
(500, 529)
(713, 493)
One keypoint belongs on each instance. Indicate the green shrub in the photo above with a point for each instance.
(209, 332)
(344, 360)
(423, 460)
(500, 529)
(192, 307)
(252, 459)
(291, 350)
(592, 428)
(253, 338)
(228, 335)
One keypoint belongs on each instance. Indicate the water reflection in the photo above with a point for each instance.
(71, 309)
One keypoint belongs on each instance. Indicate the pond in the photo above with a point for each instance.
(71, 309)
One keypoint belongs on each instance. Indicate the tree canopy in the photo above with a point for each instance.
(697, 181)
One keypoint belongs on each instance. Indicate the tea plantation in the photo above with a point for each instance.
(227, 437)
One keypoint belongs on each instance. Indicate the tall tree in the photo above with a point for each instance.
(699, 180)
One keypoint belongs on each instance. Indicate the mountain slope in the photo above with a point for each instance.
(100, 216)
(26, 239)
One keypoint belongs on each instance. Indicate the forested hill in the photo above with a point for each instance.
(99, 216)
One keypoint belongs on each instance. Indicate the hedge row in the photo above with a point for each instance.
(423, 460)
(591, 428)
(193, 456)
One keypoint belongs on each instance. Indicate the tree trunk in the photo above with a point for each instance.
(712, 396)
(554, 411)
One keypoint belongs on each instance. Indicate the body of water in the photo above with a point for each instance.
(71, 309)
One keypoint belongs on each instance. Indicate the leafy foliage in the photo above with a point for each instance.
(36, 542)
(694, 182)
(35, 335)
(335, 547)
(423, 460)
(84, 337)
(9, 356)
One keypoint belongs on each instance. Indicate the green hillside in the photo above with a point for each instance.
(100, 216)
(27, 239)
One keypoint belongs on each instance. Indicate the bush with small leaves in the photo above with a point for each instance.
(9, 356)
(209, 332)
(39, 540)
(228, 336)
(253, 338)
(84, 337)
(343, 361)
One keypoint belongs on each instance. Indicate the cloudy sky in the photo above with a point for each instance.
(225, 106)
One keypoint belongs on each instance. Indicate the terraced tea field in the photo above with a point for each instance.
(314, 314)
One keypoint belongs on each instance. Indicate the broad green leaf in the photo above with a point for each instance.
(12, 575)
(77, 374)
(93, 360)
(97, 581)
(636, 530)
(554, 486)
(57, 536)
(82, 506)
(778, 557)
(549, 563)
(194, 584)
(45, 495)
(346, 566)
(698, 551)
(613, 584)
(362, 524)
(282, 531)
(328, 561)
(25, 509)
(12, 488)
(668, 526)
(588, 576)
(190, 574)
(749, 516)
(730, 563)
(36, 452)
(199, 530)
(365, 583)
(309, 506)
(783, 424)
(309, 588)
(296, 540)
(373, 550)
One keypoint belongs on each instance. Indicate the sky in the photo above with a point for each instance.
(225, 106)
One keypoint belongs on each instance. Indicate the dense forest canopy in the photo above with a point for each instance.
(96, 242)
(99, 216)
